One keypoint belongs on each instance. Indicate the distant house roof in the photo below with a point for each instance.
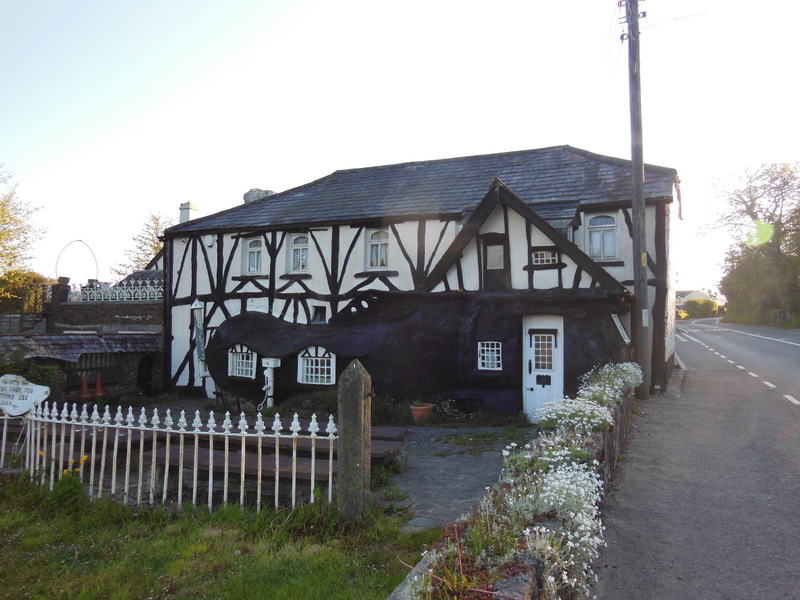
(553, 181)
(69, 347)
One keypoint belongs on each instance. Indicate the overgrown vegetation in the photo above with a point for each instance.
(57, 546)
(15, 363)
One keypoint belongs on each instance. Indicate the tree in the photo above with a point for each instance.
(17, 232)
(22, 291)
(761, 271)
(147, 244)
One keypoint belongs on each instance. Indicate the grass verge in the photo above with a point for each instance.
(53, 549)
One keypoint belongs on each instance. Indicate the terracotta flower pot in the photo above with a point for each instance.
(421, 412)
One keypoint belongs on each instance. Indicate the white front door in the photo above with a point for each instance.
(543, 361)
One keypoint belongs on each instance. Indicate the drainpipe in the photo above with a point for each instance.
(269, 365)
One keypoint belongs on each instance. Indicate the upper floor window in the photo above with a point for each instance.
(252, 257)
(299, 256)
(602, 237)
(316, 366)
(241, 362)
(544, 257)
(378, 249)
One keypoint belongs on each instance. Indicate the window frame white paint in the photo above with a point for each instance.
(242, 362)
(249, 251)
(490, 355)
(606, 231)
(298, 251)
(382, 249)
(316, 365)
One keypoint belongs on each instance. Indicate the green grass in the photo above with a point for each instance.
(104, 550)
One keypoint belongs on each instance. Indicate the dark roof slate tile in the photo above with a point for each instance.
(562, 176)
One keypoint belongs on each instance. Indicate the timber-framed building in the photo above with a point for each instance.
(494, 280)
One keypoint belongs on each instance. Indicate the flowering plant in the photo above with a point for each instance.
(579, 415)
(544, 507)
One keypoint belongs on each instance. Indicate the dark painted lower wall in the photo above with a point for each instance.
(425, 345)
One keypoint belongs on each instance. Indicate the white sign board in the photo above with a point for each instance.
(18, 396)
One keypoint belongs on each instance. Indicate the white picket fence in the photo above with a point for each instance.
(149, 459)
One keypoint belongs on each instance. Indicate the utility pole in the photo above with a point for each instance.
(640, 318)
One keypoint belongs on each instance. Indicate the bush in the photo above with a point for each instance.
(15, 363)
(699, 309)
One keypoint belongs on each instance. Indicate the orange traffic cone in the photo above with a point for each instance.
(84, 397)
(98, 384)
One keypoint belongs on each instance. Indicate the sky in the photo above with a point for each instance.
(113, 111)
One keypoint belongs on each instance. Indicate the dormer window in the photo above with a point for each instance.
(241, 362)
(378, 249)
(316, 366)
(602, 237)
(299, 255)
(252, 257)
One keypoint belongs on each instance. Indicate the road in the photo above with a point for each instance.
(770, 355)
(705, 505)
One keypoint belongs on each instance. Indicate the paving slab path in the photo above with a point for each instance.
(444, 480)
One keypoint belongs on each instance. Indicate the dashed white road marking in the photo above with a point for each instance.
(680, 338)
(771, 386)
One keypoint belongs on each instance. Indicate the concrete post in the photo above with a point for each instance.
(353, 445)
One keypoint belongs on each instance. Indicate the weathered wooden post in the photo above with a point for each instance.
(353, 445)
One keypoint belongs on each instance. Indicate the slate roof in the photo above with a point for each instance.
(561, 176)
(70, 347)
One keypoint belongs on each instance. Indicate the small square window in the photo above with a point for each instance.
(544, 257)
(241, 362)
(316, 366)
(490, 356)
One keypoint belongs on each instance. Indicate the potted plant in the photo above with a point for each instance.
(420, 410)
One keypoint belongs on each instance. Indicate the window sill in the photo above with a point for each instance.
(547, 267)
(249, 277)
(610, 263)
(377, 273)
(295, 276)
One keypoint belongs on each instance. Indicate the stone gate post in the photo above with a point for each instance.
(355, 434)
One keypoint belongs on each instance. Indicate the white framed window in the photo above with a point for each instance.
(241, 362)
(378, 249)
(316, 366)
(543, 350)
(299, 254)
(544, 257)
(252, 257)
(602, 237)
(490, 356)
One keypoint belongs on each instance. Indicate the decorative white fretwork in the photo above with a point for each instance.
(128, 291)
